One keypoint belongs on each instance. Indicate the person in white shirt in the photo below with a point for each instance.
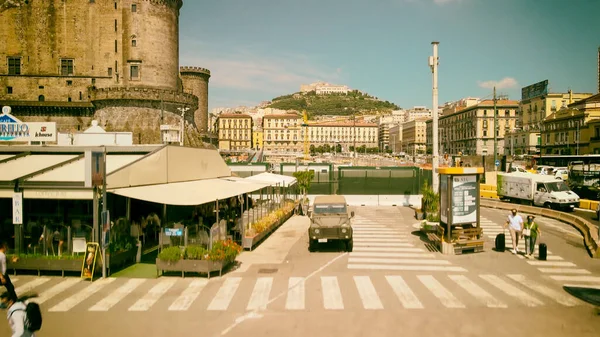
(515, 226)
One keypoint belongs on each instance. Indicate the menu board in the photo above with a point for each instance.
(464, 199)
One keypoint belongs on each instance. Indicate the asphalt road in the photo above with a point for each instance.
(392, 284)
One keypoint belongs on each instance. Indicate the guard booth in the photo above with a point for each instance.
(459, 230)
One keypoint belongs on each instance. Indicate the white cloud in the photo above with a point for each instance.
(505, 83)
(270, 73)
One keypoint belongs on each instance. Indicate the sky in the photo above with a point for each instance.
(260, 49)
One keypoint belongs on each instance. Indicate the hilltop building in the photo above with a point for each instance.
(322, 88)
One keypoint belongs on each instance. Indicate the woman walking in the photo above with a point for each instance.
(531, 230)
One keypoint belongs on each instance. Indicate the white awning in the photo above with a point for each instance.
(273, 179)
(190, 193)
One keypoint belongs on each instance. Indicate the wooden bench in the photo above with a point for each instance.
(462, 239)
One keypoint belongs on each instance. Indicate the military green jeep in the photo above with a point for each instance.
(329, 221)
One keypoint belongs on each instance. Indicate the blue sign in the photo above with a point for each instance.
(174, 231)
(497, 163)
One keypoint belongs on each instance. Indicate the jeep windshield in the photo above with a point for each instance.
(330, 209)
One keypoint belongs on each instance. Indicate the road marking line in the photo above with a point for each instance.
(189, 295)
(31, 284)
(406, 268)
(57, 289)
(378, 254)
(477, 292)
(225, 294)
(260, 295)
(82, 295)
(144, 303)
(332, 296)
(544, 290)
(386, 249)
(369, 240)
(563, 271)
(512, 290)
(378, 236)
(367, 293)
(575, 278)
(552, 263)
(405, 295)
(443, 294)
(397, 261)
(296, 293)
(382, 244)
(111, 300)
(552, 258)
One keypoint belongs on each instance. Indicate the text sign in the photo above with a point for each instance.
(497, 163)
(17, 206)
(13, 130)
(464, 199)
(174, 231)
(534, 90)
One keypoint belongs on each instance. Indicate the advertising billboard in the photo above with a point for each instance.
(13, 130)
(534, 90)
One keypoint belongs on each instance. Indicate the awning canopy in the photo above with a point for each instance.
(190, 193)
(273, 179)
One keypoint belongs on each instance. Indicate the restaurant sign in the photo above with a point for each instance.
(13, 130)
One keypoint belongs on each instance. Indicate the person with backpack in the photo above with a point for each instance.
(24, 318)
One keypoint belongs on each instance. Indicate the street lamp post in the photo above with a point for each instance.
(183, 111)
(433, 64)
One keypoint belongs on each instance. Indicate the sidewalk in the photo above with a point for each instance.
(275, 247)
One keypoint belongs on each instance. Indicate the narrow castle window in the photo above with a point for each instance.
(134, 72)
(66, 67)
(9, 90)
(116, 25)
(14, 66)
(80, 96)
(41, 98)
(69, 99)
(69, 83)
(110, 72)
(41, 87)
(133, 43)
(115, 46)
(134, 8)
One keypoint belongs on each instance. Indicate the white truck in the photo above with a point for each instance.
(538, 190)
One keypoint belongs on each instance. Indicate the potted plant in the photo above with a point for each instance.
(429, 205)
(304, 179)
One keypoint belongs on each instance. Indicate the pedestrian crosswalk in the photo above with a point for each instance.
(382, 243)
(279, 293)
(554, 267)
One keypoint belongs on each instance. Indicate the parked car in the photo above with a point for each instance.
(561, 173)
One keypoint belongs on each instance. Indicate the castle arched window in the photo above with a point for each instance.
(41, 98)
(133, 43)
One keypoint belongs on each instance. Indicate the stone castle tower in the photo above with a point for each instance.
(116, 61)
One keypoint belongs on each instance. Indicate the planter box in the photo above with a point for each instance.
(42, 264)
(120, 259)
(192, 266)
(253, 241)
(419, 215)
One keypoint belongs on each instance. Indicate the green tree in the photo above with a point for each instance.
(304, 179)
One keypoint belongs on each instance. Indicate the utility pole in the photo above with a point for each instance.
(433, 64)
(495, 130)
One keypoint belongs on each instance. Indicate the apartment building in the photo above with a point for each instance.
(471, 130)
(347, 134)
(573, 129)
(395, 135)
(234, 131)
(282, 133)
(414, 134)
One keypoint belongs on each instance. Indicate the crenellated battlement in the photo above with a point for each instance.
(198, 70)
(144, 94)
(176, 4)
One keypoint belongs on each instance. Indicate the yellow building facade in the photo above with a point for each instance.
(573, 130)
(258, 139)
(234, 131)
(347, 134)
(414, 136)
(282, 133)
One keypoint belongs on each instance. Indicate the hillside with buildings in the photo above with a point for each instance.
(326, 99)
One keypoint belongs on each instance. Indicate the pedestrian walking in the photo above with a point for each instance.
(515, 227)
(24, 318)
(4, 278)
(531, 231)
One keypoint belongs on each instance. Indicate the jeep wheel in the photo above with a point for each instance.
(312, 245)
(349, 245)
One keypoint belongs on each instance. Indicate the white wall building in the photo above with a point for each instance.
(95, 136)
